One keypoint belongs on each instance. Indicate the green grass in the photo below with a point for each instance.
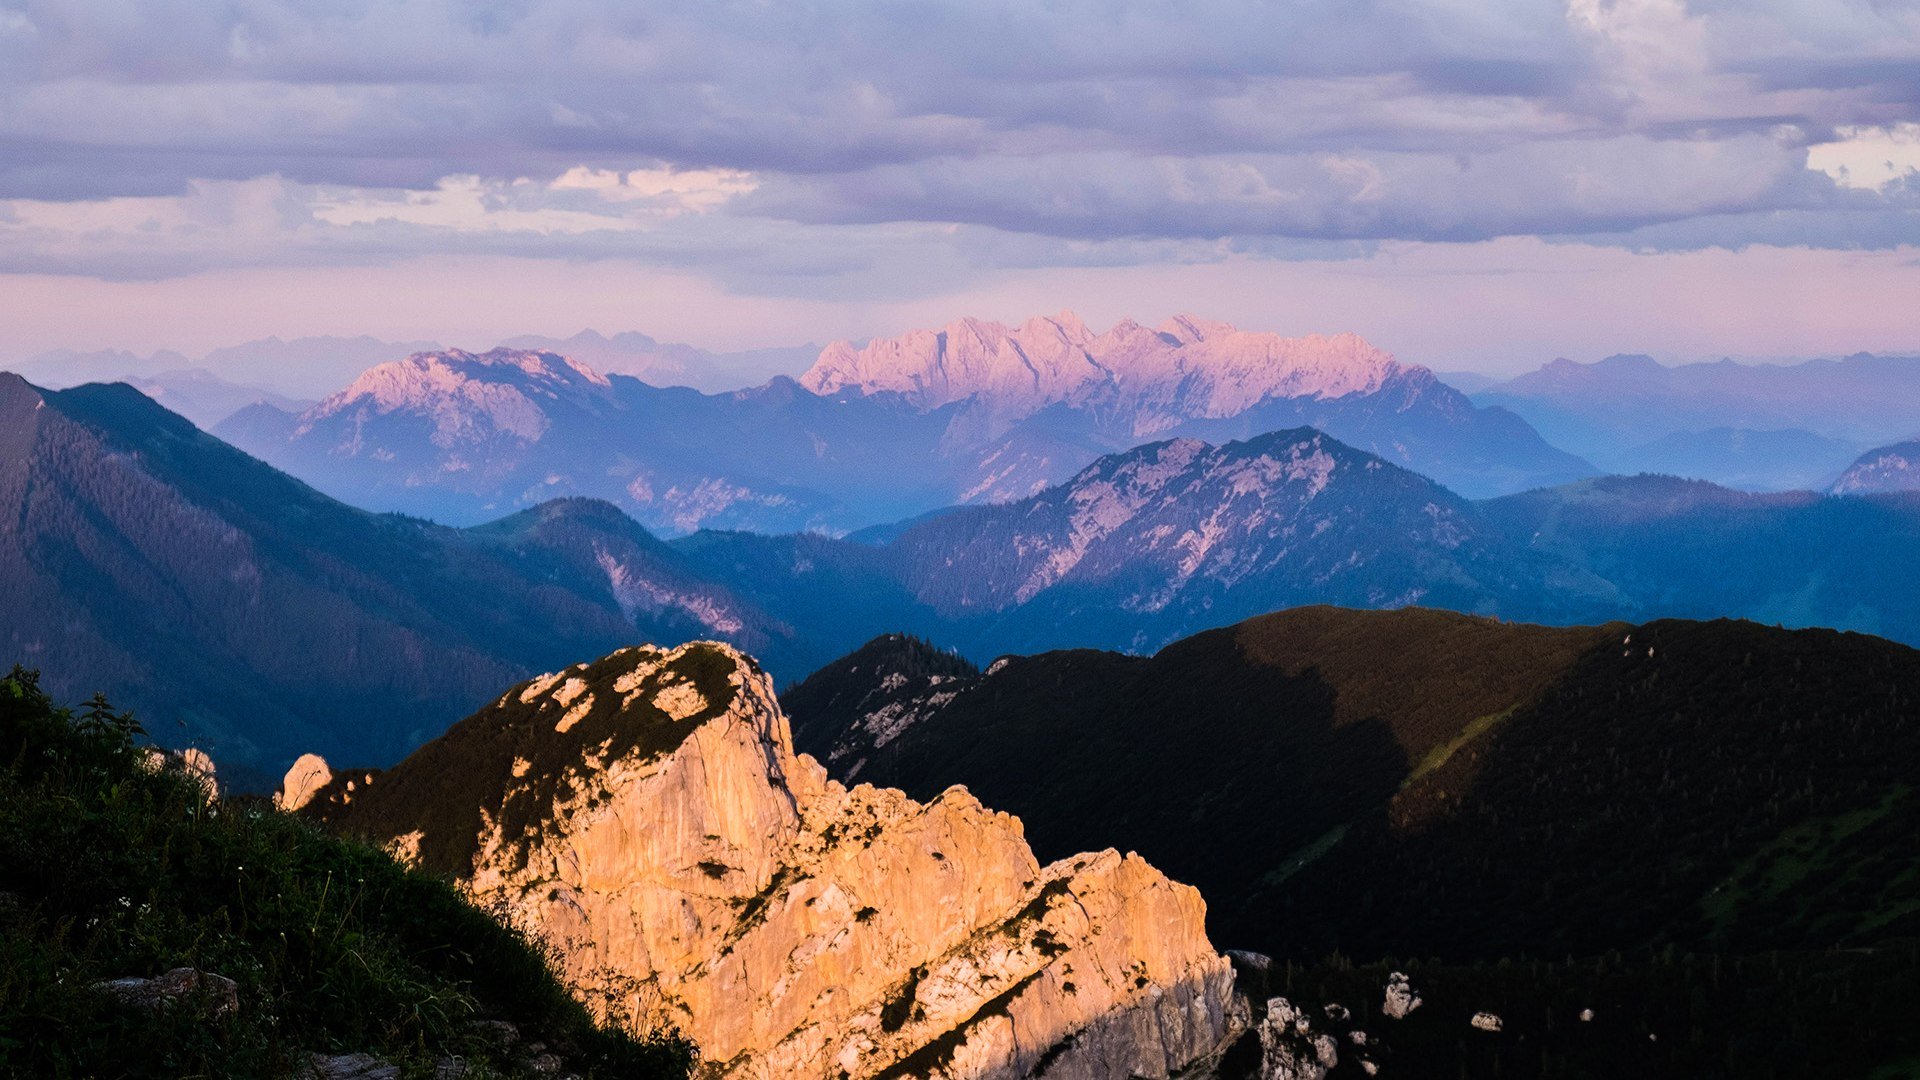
(1439, 755)
(112, 869)
(1906, 1069)
(1789, 858)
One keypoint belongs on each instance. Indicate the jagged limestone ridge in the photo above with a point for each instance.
(648, 816)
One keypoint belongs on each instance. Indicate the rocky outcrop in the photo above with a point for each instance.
(469, 397)
(646, 814)
(1289, 1047)
(1400, 998)
(303, 781)
(357, 1067)
(190, 762)
(211, 996)
(1889, 468)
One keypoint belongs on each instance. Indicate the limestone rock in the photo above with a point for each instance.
(1185, 368)
(1889, 468)
(1289, 1049)
(214, 995)
(192, 762)
(350, 1067)
(196, 764)
(307, 776)
(646, 814)
(1401, 998)
(1250, 961)
(1486, 1021)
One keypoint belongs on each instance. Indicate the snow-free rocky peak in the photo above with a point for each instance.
(467, 394)
(1186, 368)
(1171, 536)
(647, 815)
(974, 412)
(1890, 468)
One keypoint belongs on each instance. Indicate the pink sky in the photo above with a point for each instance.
(1500, 305)
(1484, 183)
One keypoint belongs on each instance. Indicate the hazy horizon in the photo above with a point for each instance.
(191, 358)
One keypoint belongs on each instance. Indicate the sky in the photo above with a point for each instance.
(1477, 185)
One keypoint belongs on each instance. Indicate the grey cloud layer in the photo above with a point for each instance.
(1138, 129)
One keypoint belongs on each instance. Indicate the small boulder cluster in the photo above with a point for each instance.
(1297, 1044)
(1293, 1046)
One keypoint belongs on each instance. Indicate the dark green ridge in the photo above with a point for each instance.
(1423, 782)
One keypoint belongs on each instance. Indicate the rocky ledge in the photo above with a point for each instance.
(646, 814)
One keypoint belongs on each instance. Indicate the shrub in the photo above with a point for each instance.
(113, 868)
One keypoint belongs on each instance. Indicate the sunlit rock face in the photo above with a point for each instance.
(307, 776)
(467, 396)
(1185, 368)
(1889, 468)
(648, 816)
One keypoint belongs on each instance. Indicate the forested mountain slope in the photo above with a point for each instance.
(240, 610)
(1421, 782)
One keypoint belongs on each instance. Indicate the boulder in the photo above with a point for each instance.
(215, 996)
(1401, 998)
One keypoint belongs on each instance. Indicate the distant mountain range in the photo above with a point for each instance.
(976, 412)
(1036, 392)
(668, 364)
(1657, 546)
(232, 603)
(1145, 547)
(1151, 380)
(465, 437)
(302, 368)
(236, 608)
(305, 369)
(206, 398)
(1602, 409)
(1789, 460)
(1010, 410)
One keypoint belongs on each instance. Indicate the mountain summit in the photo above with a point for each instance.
(467, 395)
(1889, 468)
(974, 412)
(247, 614)
(647, 815)
(1186, 368)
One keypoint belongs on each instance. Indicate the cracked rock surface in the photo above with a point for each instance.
(646, 814)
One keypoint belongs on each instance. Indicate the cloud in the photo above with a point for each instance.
(1870, 157)
(147, 137)
(1582, 186)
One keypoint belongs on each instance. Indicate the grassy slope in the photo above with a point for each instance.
(113, 870)
(1714, 784)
